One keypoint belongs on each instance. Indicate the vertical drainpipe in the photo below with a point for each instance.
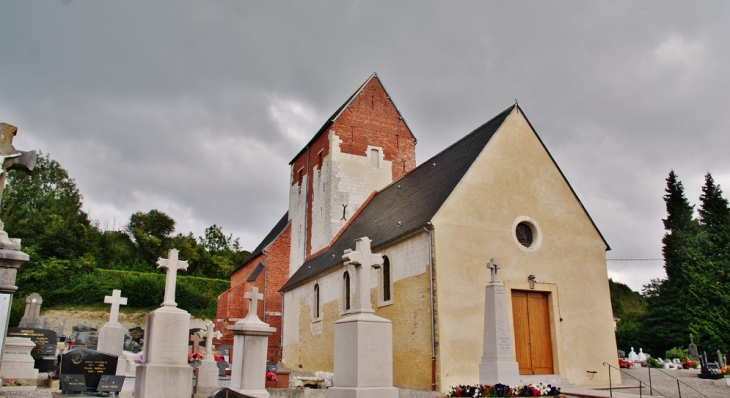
(428, 228)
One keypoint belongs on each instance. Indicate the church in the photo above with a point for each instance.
(496, 193)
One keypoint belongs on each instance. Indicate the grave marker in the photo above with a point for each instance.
(363, 341)
(92, 364)
(31, 317)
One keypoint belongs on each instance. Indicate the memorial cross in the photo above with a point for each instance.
(363, 259)
(115, 300)
(195, 338)
(209, 336)
(172, 264)
(11, 158)
(493, 268)
(253, 306)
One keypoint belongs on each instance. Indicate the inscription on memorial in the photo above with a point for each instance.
(92, 364)
(38, 336)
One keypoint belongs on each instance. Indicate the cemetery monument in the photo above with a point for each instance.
(250, 342)
(363, 341)
(164, 371)
(207, 381)
(11, 258)
(111, 335)
(498, 364)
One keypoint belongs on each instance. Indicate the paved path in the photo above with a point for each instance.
(667, 386)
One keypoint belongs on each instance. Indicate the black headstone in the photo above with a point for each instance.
(137, 334)
(92, 364)
(73, 383)
(38, 336)
(110, 384)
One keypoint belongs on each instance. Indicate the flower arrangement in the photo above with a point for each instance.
(270, 376)
(10, 383)
(195, 358)
(689, 364)
(625, 363)
(503, 390)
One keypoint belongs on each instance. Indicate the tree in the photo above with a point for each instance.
(151, 234)
(630, 307)
(44, 210)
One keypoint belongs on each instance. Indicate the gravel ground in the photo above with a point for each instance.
(667, 386)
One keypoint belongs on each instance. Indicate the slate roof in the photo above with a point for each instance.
(344, 106)
(407, 204)
(273, 234)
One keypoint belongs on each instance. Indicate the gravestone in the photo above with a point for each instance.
(195, 339)
(72, 383)
(17, 362)
(31, 317)
(633, 357)
(164, 371)
(137, 334)
(11, 258)
(46, 339)
(111, 335)
(720, 359)
(59, 332)
(641, 356)
(498, 363)
(92, 364)
(693, 353)
(250, 342)
(207, 380)
(363, 341)
(37, 335)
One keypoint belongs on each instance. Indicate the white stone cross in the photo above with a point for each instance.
(363, 259)
(195, 338)
(493, 267)
(253, 305)
(115, 300)
(208, 334)
(172, 264)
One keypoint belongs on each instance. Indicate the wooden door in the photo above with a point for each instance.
(533, 345)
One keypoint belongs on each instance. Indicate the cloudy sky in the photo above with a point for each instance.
(196, 108)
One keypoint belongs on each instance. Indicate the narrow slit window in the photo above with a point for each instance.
(346, 280)
(386, 279)
(316, 301)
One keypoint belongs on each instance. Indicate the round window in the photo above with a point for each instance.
(523, 231)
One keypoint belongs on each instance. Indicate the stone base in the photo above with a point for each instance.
(362, 392)
(163, 380)
(499, 372)
(203, 392)
(363, 352)
(18, 388)
(254, 393)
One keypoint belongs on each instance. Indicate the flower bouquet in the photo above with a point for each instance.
(503, 390)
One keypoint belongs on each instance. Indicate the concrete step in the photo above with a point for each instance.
(551, 379)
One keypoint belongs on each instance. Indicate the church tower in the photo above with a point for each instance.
(364, 146)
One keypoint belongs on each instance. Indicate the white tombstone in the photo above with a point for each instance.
(164, 371)
(17, 362)
(633, 357)
(111, 335)
(363, 341)
(641, 356)
(250, 344)
(207, 380)
(498, 364)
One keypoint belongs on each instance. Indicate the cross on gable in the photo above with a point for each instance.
(363, 259)
(493, 268)
(115, 300)
(253, 306)
(172, 264)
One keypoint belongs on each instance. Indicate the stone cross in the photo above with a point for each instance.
(172, 264)
(363, 259)
(196, 342)
(253, 306)
(115, 300)
(11, 158)
(209, 335)
(31, 318)
(493, 268)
